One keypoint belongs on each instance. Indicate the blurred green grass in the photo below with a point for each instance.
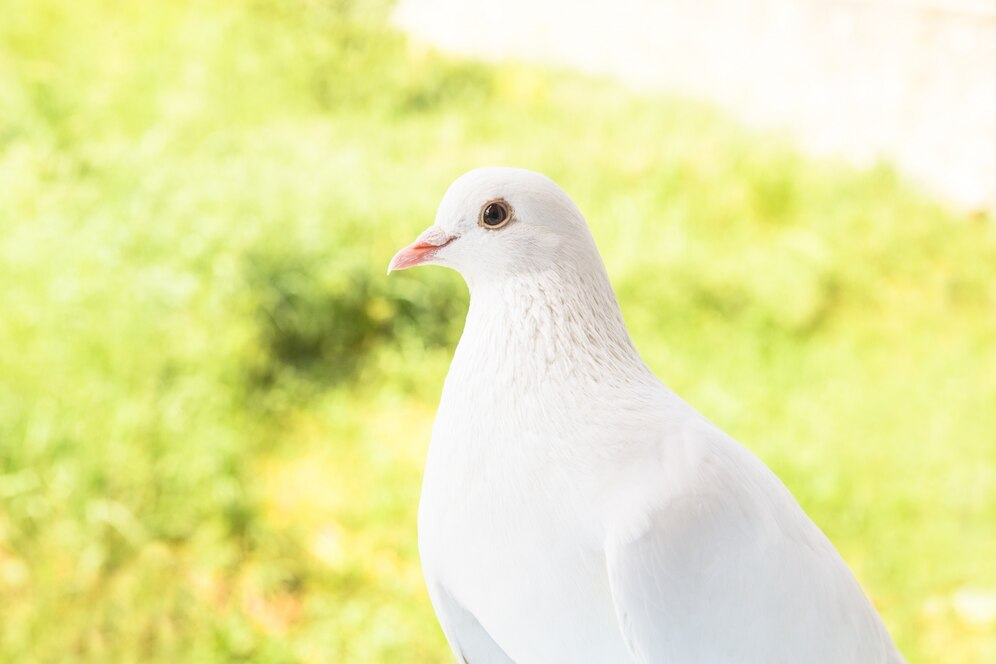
(214, 407)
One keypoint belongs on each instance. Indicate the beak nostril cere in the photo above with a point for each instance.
(422, 250)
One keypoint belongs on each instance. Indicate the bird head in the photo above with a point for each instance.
(496, 222)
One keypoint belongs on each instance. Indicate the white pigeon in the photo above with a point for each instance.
(574, 509)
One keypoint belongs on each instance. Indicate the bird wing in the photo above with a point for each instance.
(470, 642)
(727, 567)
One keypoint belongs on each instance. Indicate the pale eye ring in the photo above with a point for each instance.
(495, 214)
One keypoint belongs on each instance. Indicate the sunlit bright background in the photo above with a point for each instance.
(214, 406)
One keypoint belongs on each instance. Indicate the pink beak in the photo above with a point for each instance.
(421, 250)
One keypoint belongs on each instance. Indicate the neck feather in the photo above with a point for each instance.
(559, 326)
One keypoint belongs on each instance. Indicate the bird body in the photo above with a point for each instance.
(574, 509)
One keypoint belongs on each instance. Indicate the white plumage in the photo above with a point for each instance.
(574, 509)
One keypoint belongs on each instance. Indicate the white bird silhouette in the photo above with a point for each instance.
(574, 509)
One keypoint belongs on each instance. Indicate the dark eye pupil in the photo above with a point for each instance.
(494, 214)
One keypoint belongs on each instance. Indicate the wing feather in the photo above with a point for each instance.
(470, 642)
(730, 569)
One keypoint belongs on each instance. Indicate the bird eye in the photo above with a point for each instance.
(495, 214)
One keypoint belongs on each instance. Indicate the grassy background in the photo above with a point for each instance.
(214, 407)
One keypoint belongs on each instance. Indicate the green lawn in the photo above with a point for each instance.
(214, 406)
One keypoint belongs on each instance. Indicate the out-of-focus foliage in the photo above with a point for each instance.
(214, 406)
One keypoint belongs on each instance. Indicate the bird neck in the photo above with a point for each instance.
(559, 326)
